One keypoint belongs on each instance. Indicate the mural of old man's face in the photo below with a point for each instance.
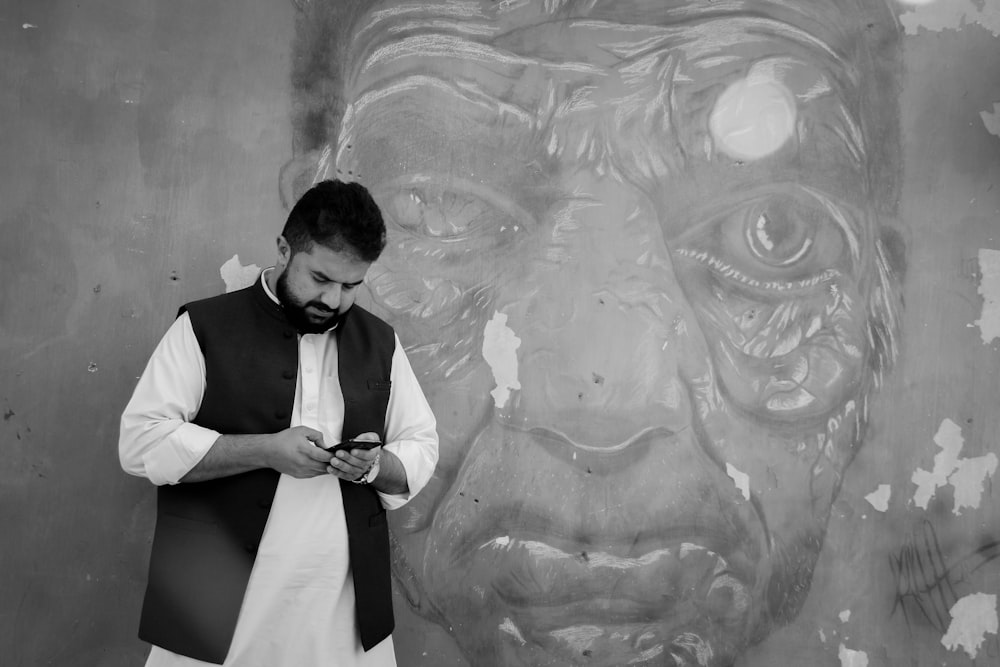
(637, 253)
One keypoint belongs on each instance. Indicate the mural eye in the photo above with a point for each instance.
(434, 213)
(776, 239)
(449, 213)
(776, 242)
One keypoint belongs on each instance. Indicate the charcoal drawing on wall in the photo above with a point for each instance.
(642, 258)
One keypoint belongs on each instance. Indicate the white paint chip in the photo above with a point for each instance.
(991, 119)
(236, 276)
(852, 658)
(951, 15)
(969, 479)
(989, 289)
(879, 498)
(967, 476)
(972, 618)
(741, 479)
(845, 616)
(500, 345)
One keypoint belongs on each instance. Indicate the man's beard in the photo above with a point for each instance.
(296, 311)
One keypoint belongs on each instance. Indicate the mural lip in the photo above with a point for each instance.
(714, 534)
(546, 434)
(535, 574)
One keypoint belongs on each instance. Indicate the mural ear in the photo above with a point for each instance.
(301, 173)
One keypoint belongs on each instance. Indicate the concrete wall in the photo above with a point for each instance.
(141, 148)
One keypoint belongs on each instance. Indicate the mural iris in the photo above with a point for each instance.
(639, 256)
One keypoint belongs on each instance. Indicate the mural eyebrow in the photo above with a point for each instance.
(467, 91)
(434, 46)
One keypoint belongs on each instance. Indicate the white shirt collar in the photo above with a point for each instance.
(267, 288)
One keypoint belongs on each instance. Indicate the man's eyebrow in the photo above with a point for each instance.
(318, 273)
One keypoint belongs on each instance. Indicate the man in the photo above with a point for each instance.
(270, 549)
(643, 249)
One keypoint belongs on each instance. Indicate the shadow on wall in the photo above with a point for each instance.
(640, 256)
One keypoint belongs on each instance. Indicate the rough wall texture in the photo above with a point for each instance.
(142, 144)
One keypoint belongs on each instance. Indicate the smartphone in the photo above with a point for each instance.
(348, 445)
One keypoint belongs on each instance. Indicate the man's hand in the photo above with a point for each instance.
(298, 452)
(350, 465)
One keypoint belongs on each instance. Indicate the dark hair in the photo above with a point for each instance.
(340, 216)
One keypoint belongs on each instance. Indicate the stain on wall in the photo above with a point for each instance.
(703, 297)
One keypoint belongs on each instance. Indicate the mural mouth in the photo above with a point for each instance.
(575, 603)
(536, 575)
(619, 556)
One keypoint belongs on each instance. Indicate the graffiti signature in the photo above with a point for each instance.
(927, 583)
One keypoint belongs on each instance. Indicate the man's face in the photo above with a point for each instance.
(636, 271)
(317, 286)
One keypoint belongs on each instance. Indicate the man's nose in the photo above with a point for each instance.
(331, 296)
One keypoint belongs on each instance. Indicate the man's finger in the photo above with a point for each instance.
(318, 454)
(362, 460)
(314, 436)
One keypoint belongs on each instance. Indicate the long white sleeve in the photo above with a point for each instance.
(410, 429)
(157, 440)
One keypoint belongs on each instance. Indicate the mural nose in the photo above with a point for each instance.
(600, 381)
(600, 322)
(606, 368)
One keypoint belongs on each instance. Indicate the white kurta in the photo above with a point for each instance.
(299, 605)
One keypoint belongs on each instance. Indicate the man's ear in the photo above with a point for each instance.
(302, 172)
(284, 253)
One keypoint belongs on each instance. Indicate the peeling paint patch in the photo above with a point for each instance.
(969, 479)
(851, 658)
(991, 119)
(741, 479)
(236, 276)
(972, 618)
(952, 15)
(989, 289)
(845, 616)
(967, 476)
(500, 345)
(879, 498)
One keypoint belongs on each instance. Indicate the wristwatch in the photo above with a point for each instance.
(369, 476)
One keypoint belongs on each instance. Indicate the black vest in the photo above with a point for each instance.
(207, 532)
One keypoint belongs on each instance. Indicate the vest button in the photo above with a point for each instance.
(264, 504)
(288, 375)
(280, 414)
(288, 333)
(251, 547)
